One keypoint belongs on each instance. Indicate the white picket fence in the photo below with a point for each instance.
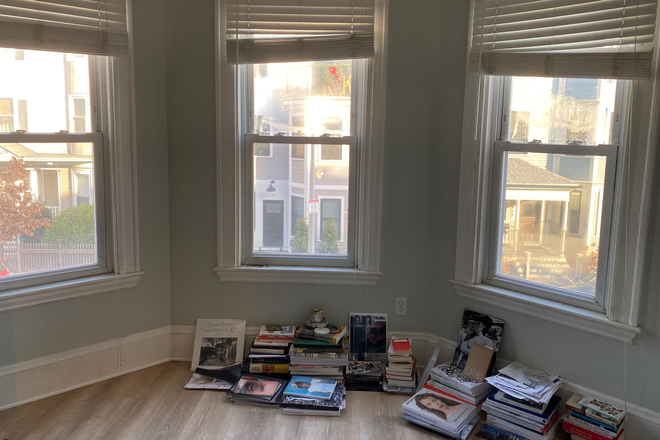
(33, 257)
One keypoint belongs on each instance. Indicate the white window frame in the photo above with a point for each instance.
(116, 205)
(497, 197)
(72, 116)
(619, 319)
(364, 266)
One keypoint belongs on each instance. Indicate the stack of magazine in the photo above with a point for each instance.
(594, 419)
(364, 376)
(445, 415)
(449, 380)
(525, 402)
(318, 359)
(270, 351)
(314, 396)
(257, 391)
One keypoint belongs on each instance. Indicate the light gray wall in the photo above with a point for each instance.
(51, 328)
(409, 184)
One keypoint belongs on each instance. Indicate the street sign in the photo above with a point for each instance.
(313, 206)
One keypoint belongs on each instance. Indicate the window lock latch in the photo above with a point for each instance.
(21, 131)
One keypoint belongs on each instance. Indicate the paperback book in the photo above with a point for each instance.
(216, 379)
(335, 335)
(477, 329)
(250, 387)
(218, 343)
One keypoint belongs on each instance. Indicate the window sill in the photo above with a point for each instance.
(298, 275)
(32, 296)
(582, 319)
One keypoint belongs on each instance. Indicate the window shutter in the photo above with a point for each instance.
(93, 27)
(564, 38)
(270, 31)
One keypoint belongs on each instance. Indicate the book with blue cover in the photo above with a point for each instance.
(497, 399)
(313, 387)
(488, 432)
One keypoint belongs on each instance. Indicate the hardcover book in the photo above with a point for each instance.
(313, 387)
(218, 343)
(336, 333)
(603, 409)
(368, 335)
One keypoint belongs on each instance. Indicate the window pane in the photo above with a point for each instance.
(562, 110)
(44, 83)
(296, 198)
(311, 98)
(53, 226)
(331, 152)
(551, 222)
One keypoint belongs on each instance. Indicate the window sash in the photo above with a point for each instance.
(103, 251)
(497, 196)
(247, 233)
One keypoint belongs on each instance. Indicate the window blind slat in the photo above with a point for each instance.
(94, 27)
(481, 27)
(336, 29)
(289, 50)
(510, 30)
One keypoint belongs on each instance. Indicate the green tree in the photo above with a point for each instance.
(301, 236)
(329, 237)
(73, 226)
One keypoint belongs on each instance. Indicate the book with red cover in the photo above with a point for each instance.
(401, 346)
(586, 434)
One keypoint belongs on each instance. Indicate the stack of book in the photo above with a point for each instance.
(269, 353)
(400, 369)
(319, 355)
(451, 418)
(314, 396)
(449, 380)
(593, 419)
(364, 376)
(525, 402)
(257, 391)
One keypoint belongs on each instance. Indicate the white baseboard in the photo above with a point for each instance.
(49, 375)
(54, 374)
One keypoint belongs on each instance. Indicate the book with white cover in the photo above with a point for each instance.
(441, 411)
(218, 343)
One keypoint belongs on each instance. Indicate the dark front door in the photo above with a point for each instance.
(273, 223)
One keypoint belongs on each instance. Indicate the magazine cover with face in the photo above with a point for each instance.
(438, 410)
(477, 329)
(256, 387)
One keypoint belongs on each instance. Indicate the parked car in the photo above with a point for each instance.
(3, 270)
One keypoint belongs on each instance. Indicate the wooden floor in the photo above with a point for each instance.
(152, 404)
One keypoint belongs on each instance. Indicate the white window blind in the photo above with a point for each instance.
(94, 27)
(564, 38)
(270, 31)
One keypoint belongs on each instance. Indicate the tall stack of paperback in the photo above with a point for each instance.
(314, 396)
(593, 419)
(400, 369)
(319, 355)
(450, 417)
(449, 380)
(524, 402)
(269, 353)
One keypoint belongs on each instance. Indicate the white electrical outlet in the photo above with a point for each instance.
(400, 306)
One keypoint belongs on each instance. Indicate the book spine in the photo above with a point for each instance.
(534, 418)
(606, 425)
(591, 427)
(330, 339)
(303, 355)
(585, 433)
(269, 368)
(590, 414)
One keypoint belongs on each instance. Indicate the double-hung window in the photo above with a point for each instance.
(300, 107)
(67, 184)
(557, 138)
